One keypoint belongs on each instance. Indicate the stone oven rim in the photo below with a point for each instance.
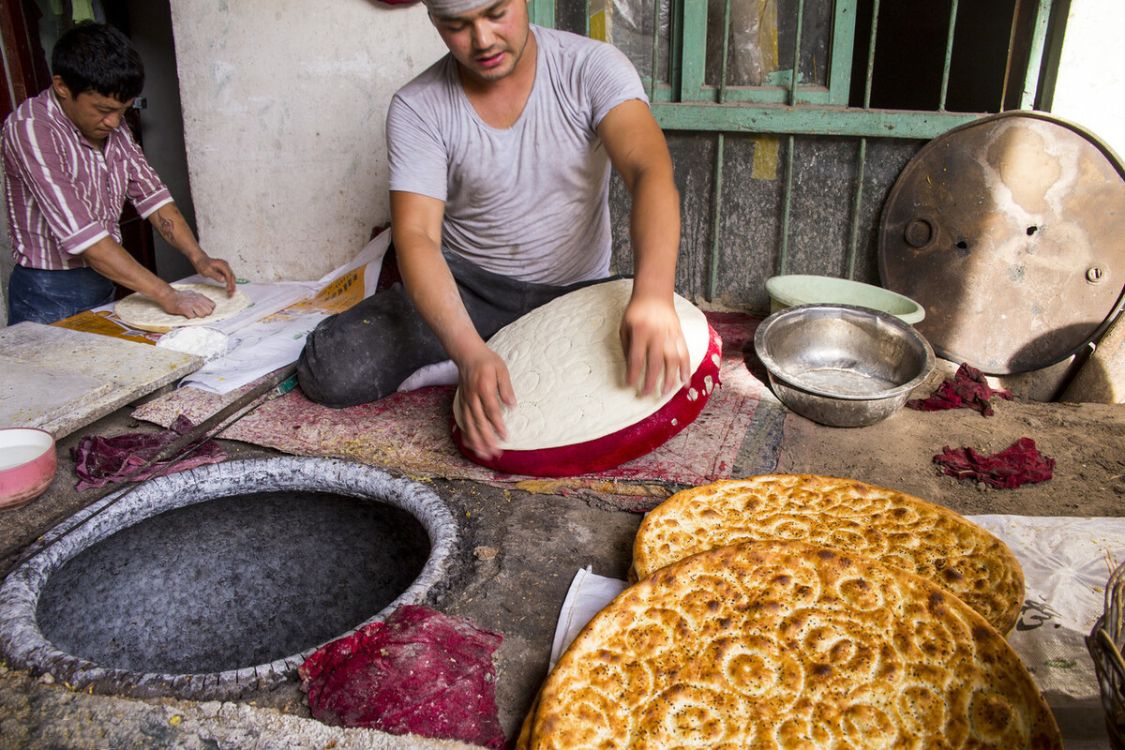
(24, 645)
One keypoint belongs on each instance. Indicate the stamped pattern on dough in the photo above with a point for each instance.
(567, 368)
(790, 646)
(892, 527)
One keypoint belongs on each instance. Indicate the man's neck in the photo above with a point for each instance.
(501, 102)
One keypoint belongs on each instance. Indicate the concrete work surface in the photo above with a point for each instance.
(61, 380)
(518, 553)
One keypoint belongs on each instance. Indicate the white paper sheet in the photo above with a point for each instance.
(271, 342)
(1066, 564)
(587, 595)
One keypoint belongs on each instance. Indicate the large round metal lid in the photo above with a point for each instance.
(1010, 232)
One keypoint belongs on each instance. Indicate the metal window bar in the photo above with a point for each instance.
(861, 157)
(852, 250)
(841, 52)
(542, 13)
(694, 88)
(790, 155)
(655, 47)
(1008, 60)
(686, 102)
(720, 143)
(1036, 55)
(686, 106)
(946, 64)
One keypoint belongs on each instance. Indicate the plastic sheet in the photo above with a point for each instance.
(1066, 562)
(587, 594)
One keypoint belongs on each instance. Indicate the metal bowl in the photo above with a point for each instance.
(842, 365)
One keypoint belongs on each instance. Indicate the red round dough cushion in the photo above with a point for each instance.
(574, 413)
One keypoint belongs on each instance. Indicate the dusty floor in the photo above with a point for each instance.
(520, 552)
(1087, 442)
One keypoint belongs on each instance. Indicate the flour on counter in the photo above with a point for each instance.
(202, 342)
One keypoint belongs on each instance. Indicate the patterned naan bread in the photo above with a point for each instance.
(787, 645)
(892, 527)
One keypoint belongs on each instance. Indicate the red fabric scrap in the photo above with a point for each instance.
(419, 672)
(1019, 463)
(967, 390)
(101, 460)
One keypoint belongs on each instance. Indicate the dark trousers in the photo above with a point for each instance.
(46, 296)
(364, 353)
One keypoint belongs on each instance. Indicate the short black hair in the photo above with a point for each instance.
(97, 57)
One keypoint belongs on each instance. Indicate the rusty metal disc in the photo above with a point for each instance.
(1010, 232)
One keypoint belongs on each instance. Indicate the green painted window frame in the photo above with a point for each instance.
(692, 55)
(687, 103)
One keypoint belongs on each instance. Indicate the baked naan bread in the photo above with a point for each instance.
(788, 645)
(140, 312)
(892, 527)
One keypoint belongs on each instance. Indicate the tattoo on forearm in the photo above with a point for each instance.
(165, 227)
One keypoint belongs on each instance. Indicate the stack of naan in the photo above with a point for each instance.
(798, 611)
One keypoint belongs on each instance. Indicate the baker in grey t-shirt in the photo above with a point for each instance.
(529, 201)
(500, 156)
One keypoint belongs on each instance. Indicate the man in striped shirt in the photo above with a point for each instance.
(69, 166)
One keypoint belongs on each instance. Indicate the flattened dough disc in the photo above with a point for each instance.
(574, 413)
(1010, 231)
(140, 312)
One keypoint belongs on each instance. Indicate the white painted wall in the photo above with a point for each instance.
(1090, 87)
(162, 125)
(284, 107)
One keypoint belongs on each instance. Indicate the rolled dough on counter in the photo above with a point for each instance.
(141, 312)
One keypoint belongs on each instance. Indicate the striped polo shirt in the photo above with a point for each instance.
(63, 193)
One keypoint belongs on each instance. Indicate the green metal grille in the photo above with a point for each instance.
(787, 105)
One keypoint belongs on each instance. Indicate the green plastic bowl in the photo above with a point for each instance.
(799, 289)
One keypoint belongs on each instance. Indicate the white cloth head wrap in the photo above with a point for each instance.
(448, 8)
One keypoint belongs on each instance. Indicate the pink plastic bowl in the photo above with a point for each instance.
(27, 464)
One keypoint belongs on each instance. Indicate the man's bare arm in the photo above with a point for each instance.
(485, 385)
(170, 223)
(108, 258)
(650, 329)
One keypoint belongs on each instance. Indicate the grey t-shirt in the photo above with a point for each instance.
(531, 201)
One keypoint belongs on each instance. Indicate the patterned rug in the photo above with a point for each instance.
(738, 433)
